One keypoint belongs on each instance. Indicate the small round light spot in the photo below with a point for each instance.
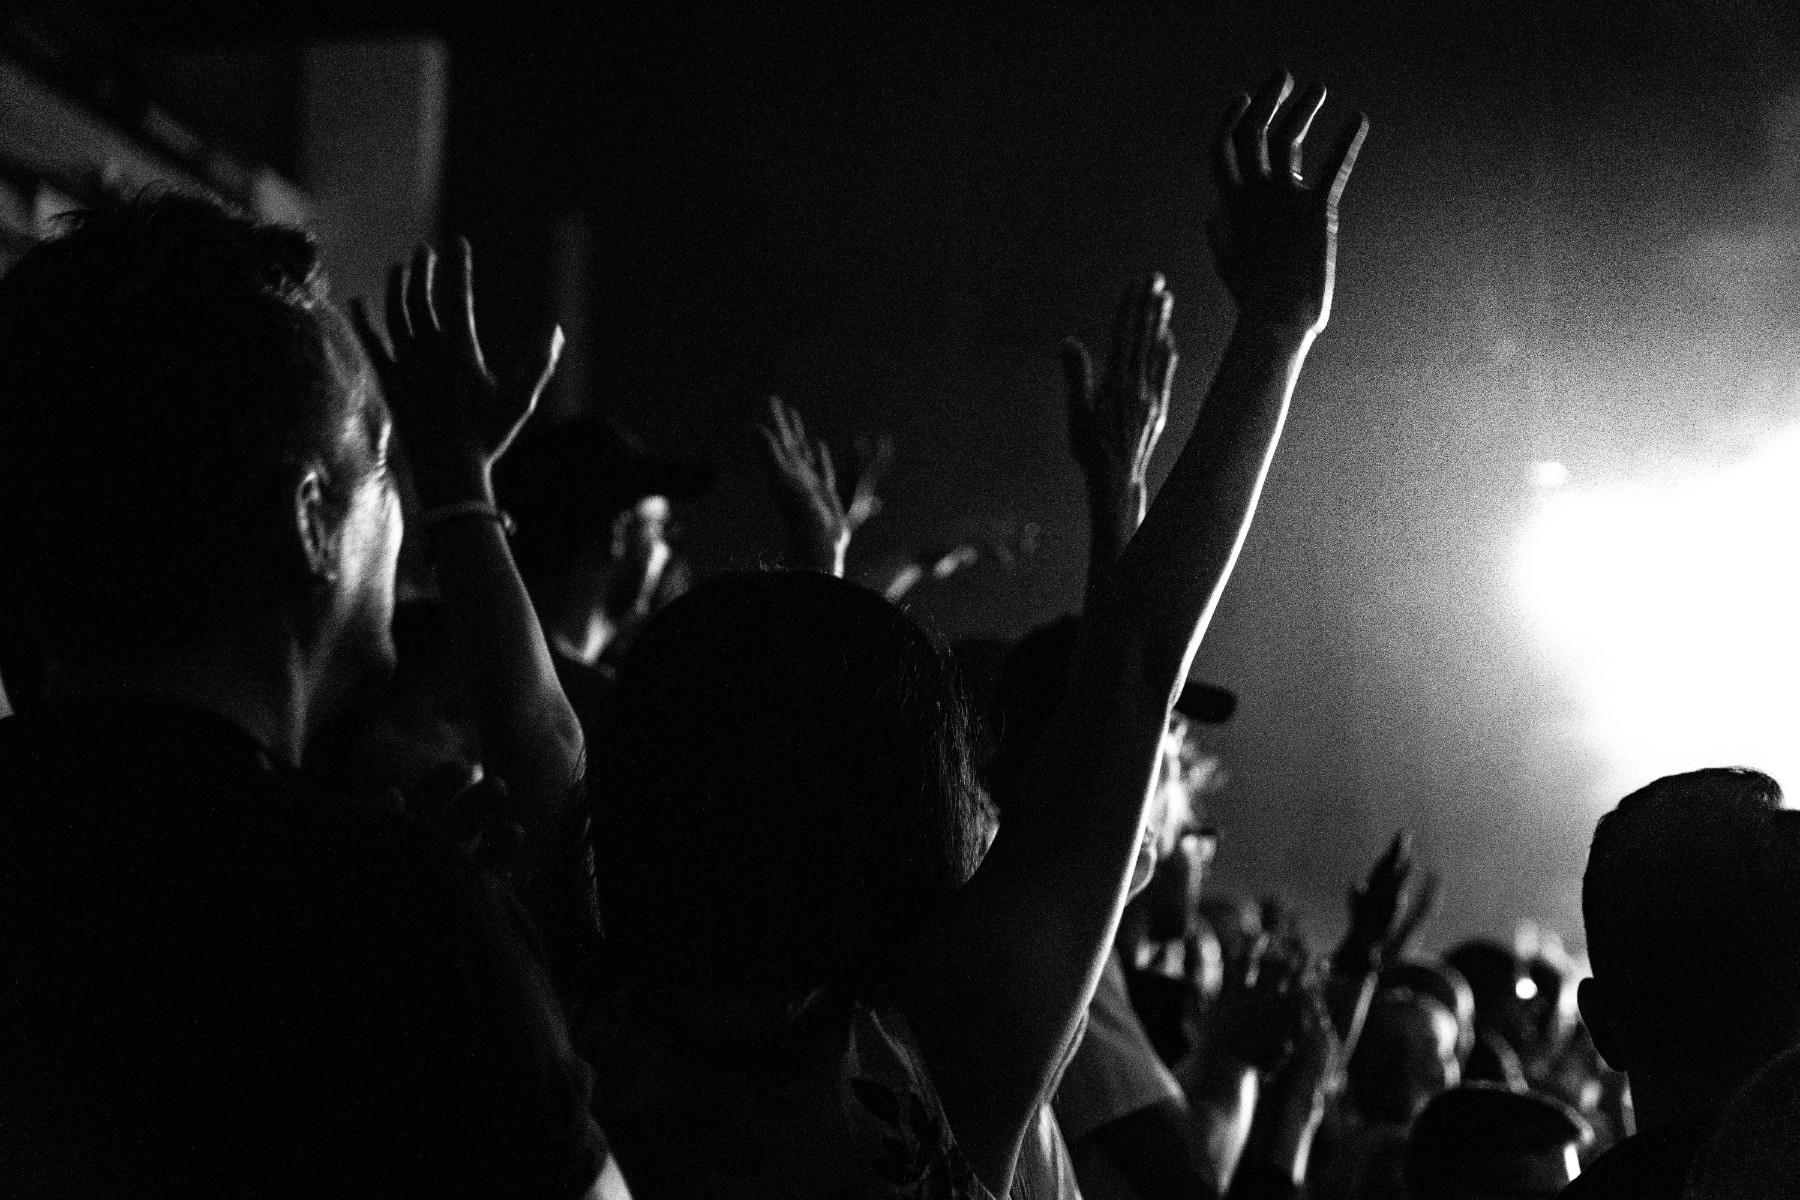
(1549, 474)
(1525, 989)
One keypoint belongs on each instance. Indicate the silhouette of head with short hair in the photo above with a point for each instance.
(1405, 1056)
(1482, 1141)
(1693, 926)
(192, 446)
(785, 795)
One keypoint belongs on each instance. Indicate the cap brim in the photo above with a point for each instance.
(1206, 703)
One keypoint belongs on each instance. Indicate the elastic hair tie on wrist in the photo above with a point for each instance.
(431, 518)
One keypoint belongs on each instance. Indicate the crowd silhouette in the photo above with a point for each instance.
(389, 809)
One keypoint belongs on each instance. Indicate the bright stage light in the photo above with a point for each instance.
(1549, 474)
(1674, 608)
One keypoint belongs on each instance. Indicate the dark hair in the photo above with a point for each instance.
(1470, 1140)
(1693, 921)
(783, 794)
(1032, 680)
(1380, 1077)
(161, 362)
(1443, 983)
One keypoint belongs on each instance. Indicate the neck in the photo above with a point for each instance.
(266, 696)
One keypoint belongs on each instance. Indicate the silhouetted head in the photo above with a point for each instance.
(1406, 1055)
(1443, 983)
(1481, 1141)
(1692, 906)
(1502, 984)
(784, 794)
(191, 444)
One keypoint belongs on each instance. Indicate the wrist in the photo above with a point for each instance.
(1281, 328)
(455, 483)
(1357, 956)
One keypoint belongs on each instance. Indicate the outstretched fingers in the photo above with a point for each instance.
(399, 328)
(381, 356)
(1252, 134)
(419, 312)
(455, 304)
(1342, 162)
(1290, 133)
(1126, 321)
(1228, 172)
(530, 383)
(1160, 306)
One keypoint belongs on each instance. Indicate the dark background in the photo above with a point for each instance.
(1568, 238)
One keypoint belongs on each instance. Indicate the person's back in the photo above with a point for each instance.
(1694, 936)
(226, 983)
(787, 828)
(1752, 1152)
(217, 981)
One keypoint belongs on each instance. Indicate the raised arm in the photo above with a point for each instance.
(1114, 425)
(1384, 911)
(820, 511)
(455, 420)
(1000, 984)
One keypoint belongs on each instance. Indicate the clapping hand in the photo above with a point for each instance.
(1275, 237)
(454, 416)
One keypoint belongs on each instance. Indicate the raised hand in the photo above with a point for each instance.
(820, 517)
(1114, 425)
(1383, 910)
(1275, 237)
(869, 461)
(454, 417)
(1264, 1005)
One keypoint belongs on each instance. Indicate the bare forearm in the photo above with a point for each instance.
(1348, 991)
(1115, 510)
(1173, 572)
(530, 736)
(1222, 1091)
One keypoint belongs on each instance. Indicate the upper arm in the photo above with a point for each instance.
(999, 984)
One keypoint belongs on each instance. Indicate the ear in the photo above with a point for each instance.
(313, 526)
(1602, 1024)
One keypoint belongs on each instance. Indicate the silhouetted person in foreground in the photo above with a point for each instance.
(1692, 906)
(219, 980)
(1483, 1141)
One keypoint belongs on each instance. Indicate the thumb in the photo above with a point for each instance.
(534, 374)
(520, 395)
